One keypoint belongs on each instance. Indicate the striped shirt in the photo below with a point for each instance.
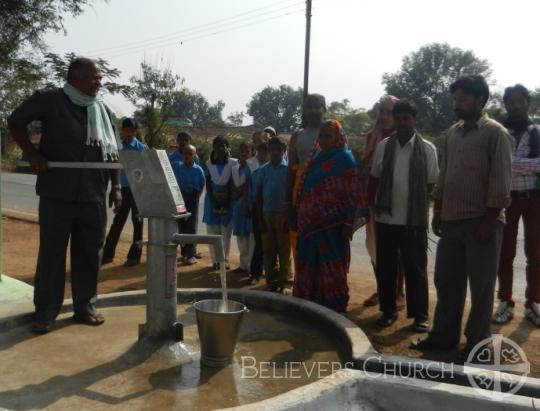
(476, 170)
(524, 170)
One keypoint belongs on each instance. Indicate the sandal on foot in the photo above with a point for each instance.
(503, 314)
(42, 327)
(533, 314)
(372, 301)
(89, 319)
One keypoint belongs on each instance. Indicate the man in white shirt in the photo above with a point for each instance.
(406, 168)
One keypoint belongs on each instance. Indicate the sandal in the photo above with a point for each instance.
(89, 319)
(503, 314)
(372, 301)
(533, 314)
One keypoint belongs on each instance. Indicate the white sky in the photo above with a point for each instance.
(353, 42)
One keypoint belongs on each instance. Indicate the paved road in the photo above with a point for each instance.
(17, 192)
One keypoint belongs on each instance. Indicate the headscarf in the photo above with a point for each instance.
(341, 141)
(314, 197)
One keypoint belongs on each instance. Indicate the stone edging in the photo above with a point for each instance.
(353, 344)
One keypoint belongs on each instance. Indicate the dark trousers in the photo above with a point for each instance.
(128, 204)
(59, 221)
(395, 242)
(461, 257)
(189, 225)
(528, 210)
(256, 268)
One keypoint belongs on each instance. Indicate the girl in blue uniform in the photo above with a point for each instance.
(218, 200)
(242, 227)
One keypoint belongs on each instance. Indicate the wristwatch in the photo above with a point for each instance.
(116, 187)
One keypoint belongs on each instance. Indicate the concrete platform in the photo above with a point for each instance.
(81, 367)
(15, 297)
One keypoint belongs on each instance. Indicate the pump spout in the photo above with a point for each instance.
(214, 240)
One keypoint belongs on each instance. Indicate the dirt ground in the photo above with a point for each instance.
(20, 248)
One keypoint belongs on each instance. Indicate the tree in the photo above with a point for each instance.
(154, 91)
(23, 23)
(495, 107)
(354, 121)
(16, 84)
(339, 109)
(277, 107)
(425, 77)
(534, 107)
(236, 118)
(57, 68)
(192, 105)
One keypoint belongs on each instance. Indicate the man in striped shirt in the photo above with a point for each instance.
(472, 191)
(525, 204)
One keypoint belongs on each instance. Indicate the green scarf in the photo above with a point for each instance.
(100, 129)
(417, 207)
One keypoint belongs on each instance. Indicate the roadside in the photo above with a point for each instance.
(20, 249)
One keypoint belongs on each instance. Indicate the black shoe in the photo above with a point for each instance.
(42, 327)
(484, 355)
(386, 320)
(131, 262)
(428, 344)
(420, 326)
(271, 287)
(106, 260)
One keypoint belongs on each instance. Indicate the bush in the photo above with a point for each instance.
(9, 160)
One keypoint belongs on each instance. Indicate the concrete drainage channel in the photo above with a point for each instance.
(361, 384)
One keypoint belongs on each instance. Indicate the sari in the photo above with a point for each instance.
(330, 198)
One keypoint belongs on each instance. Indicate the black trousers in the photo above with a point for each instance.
(189, 225)
(410, 243)
(128, 205)
(256, 267)
(60, 221)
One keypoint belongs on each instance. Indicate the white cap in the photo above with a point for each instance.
(271, 130)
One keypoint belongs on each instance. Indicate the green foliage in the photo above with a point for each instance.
(153, 93)
(357, 148)
(495, 108)
(534, 108)
(23, 23)
(425, 77)
(354, 121)
(10, 160)
(192, 105)
(236, 118)
(277, 107)
(17, 82)
(57, 67)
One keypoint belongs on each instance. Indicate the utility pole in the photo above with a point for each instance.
(306, 58)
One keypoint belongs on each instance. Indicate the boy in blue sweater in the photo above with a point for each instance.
(190, 178)
(130, 142)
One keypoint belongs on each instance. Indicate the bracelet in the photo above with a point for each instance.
(116, 187)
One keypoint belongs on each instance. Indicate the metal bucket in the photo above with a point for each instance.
(218, 330)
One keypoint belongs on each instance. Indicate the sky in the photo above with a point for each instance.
(231, 49)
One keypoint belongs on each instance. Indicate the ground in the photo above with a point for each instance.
(20, 247)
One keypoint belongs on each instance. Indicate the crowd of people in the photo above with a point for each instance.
(294, 206)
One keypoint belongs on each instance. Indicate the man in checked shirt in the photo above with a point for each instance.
(525, 204)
